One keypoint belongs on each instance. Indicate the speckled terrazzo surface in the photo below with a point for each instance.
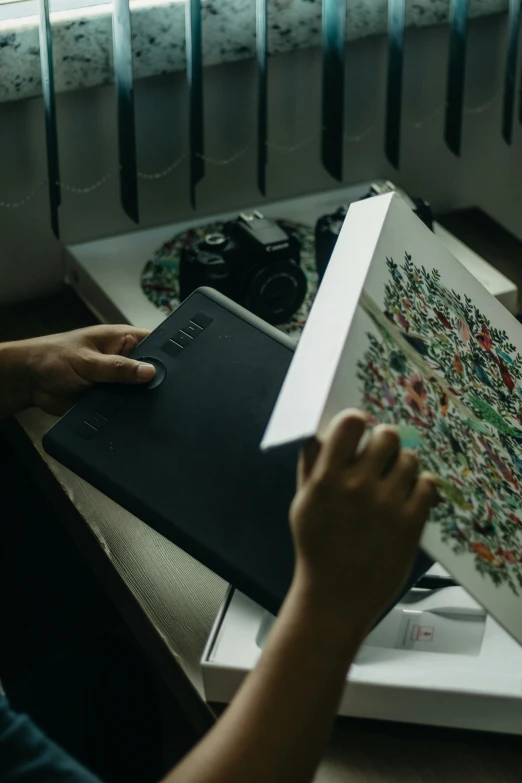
(82, 39)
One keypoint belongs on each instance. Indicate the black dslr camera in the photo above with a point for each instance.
(328, 227)
(327, 230)
(254, 262)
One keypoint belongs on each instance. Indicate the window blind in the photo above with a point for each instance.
(334, 33)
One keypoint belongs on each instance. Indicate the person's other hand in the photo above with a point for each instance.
(60, 367)
(357, 519)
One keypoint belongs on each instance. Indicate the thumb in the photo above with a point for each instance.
(116, 369)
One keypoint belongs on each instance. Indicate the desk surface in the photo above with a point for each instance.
(170, 601)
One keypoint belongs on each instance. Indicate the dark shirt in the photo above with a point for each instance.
(28, 756)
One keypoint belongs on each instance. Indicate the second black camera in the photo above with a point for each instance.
(328, 227)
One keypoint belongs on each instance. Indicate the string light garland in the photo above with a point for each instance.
(415, 124)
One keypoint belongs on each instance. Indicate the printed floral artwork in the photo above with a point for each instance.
(453, 383)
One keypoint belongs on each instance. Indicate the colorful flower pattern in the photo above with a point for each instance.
(452, 381)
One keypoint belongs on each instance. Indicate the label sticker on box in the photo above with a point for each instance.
(407, 629)
(422, 633)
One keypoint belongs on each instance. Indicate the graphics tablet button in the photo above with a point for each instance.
(161, 372)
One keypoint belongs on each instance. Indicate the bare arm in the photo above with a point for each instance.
(356, 522)
(278, 724)
(15, 392)
(51, 372)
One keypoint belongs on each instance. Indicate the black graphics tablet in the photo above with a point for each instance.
(183, 453)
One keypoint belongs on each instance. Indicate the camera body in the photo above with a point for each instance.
(252, 261)
(327, 230)
(328, 227)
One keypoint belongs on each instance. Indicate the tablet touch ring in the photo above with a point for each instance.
(161, 371)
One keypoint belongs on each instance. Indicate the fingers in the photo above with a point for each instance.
(381, 451)
(339, 449)
(100, 368)
(423, 497)
(394, 470)
(307, 459)
(139, 334)
(119, 339)
(102, 355)
(403, 474)
(401, 479)
(130, 342)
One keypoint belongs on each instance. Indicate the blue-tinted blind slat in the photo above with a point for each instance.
(49, 100)
(124, 80)
(262, 94)
(195, 82)
(332, 133)
(456, 74)
(396, 10)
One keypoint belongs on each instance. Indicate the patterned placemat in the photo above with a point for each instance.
(160, 276)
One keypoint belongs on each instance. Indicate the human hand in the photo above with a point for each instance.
(58, 368)
(357, 519)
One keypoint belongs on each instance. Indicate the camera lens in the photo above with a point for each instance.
(276, 292)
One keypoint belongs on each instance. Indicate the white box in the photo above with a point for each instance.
(472, 691)
(106, 273)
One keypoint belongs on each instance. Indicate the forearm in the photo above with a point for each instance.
(277, 726)
(14, 379)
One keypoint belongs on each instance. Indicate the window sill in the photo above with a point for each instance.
(82, 38)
